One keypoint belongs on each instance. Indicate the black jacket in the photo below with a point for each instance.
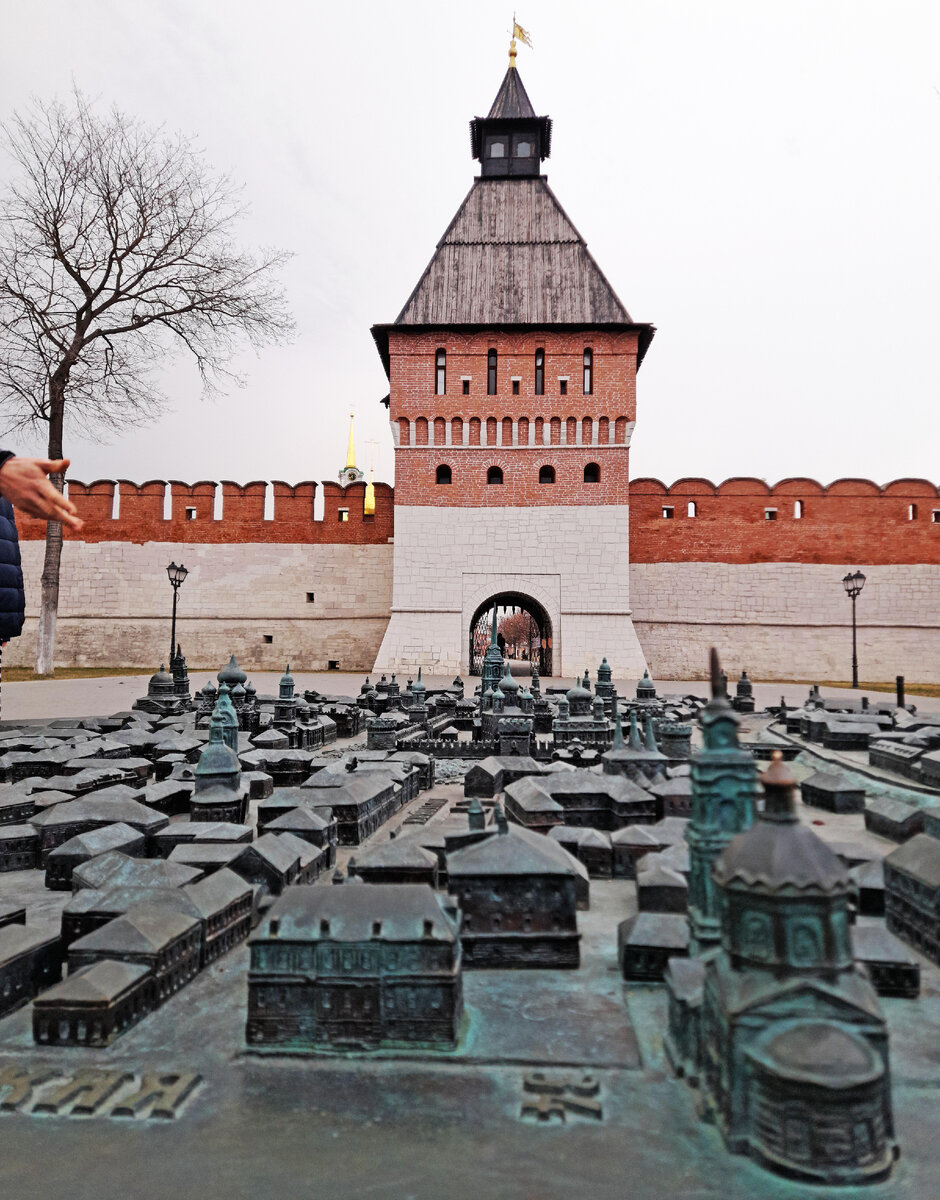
(12, 597)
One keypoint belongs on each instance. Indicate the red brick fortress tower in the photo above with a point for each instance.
(512, 371)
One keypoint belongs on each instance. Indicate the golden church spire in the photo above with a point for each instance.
(351, 451)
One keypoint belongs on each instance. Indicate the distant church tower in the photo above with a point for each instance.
(351, 473)
(512, 372)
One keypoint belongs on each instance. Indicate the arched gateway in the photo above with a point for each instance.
(527, 639)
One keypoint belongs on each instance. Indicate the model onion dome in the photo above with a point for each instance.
(232, 674)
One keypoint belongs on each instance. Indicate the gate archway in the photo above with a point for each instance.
(532, 643)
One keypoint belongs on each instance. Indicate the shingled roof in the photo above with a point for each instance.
(512, 256)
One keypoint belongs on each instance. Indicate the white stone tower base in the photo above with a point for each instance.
(573, 561)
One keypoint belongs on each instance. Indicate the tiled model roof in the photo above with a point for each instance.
(391, 912)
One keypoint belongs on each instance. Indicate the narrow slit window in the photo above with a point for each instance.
(912, 512)
(588, 371)
(491, 373)
(466, 386)
(515, 387)
(935, 516)
(692, 510)
(797, 510)
(563, 387)
(540, 372)
(440, 373)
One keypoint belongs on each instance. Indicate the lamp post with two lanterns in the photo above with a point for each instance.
(176, 576)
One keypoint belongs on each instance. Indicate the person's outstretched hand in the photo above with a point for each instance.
(25, 483)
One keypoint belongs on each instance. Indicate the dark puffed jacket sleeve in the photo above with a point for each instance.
(12, 597)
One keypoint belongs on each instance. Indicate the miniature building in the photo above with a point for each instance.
(517, 892)
(116, 869)
(724, 780)
(361, 802)
(832, 792)
(743, 695)
(650, 940)
(676, 796)
(640, 761)
(398, 861)
(592, 847)
(316, 826)
(585, 798)
(19, 848)
(630, 845)
(15, 808)
(92, 908)
(356, 966)
(912, 894)
(660, 889)
(219, 794)
(56, 825)
(490, 776)
(94, 1005)
(581, 717)
(226, 902)
(168, 943)
(869, 880)
(791, 1045)
(162, 698)
(30, 960)
(894, 819)
(62, 861)
(892, 968)
(181, 832)
(268, 863)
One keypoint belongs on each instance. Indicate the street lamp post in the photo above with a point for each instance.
(853, 585)
(176, 576)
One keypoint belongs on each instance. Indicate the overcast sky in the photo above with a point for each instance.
(760, 181)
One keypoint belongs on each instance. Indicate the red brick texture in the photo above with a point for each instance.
(597, 420)
(850, 521)
(141, 520)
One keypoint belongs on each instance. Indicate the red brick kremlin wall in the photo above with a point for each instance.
(141, 507)
(851, 520)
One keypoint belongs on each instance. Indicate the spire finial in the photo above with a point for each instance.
(351, 449)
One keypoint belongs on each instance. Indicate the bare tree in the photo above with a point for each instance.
(116, 249)
(520, 632)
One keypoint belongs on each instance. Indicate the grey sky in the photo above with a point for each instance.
(761, 181)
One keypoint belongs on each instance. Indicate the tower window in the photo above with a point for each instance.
(440, 373)
(935, 516)
(491, 373)
(770, 514)
(797, 510)
(515, 386)
(563, 387)
(466, 386)
(497, 149)
(546, 474)
(540, 372)
(494, 475)
(692, 510)
(588, 371)
(342, 514)
(592, 473)
(668, 513)
(523, 148)
(444, 474)
(912, 512)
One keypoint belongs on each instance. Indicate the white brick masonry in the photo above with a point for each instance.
(787, 620)
(572, 561)
(115, 602)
